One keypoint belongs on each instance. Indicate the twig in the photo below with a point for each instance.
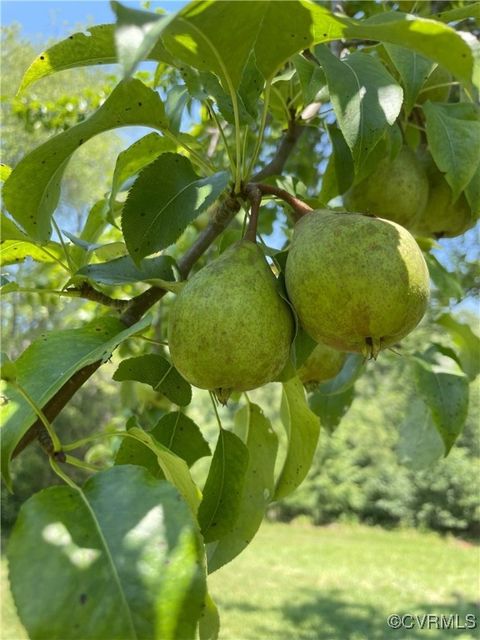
(299, 207)
(90, 293)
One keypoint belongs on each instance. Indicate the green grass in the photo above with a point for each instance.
(334, 583)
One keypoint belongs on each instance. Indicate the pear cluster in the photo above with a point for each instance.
(410, 190)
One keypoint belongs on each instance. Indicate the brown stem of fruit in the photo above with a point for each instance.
(138, 305)
(255, 196)
(299, 207)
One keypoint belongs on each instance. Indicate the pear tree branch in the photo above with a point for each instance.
(139, 305)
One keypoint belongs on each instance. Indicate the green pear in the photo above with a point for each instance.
(442, 217)
(357, 283)
(322, 364)
(396, 190)
(229, 328)
(436, 87)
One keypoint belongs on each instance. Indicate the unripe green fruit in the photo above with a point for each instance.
(356, 283)
(322, 364)
(397, 190)
(439, 76)
(442, 217)
(229, 328)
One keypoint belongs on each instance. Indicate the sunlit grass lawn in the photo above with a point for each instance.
(335, 583)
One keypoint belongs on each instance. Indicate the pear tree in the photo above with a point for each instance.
(279, 224)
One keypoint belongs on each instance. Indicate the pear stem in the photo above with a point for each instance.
(255, 196)
(299, 207)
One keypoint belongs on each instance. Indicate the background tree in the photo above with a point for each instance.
(237, 122)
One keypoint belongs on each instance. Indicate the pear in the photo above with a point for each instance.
(229, 328)
(322, 364)
(396, 190)
(357, 283)
(442, 217)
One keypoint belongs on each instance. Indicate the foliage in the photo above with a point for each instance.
(228, 103)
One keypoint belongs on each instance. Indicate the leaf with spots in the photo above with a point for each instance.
(15, 251)
(126, 539)
(165, 198)
(365, 97)
(201, 35)
(262, 444)
(445, 392)
(95, 46)
(159, 373)
(32, 191)
(303, 428)
(222, 494)
(47, 364)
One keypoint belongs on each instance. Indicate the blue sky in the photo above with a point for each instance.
(57, 18)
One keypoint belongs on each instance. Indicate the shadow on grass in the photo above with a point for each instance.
(329, 616)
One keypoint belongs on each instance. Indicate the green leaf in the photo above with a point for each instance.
(445, 392)
(472, 192)
(10, 231)
(470, 10)
(124, 271)
(32, 191)
(202, 35)
(303, 346)
(80, 50)
(165, 198)
(175, 431)
(448, 126)
(136, 34)
(159, 373)
(467, 342)
(174, 468)
(8, 370)
(5, 171)
(413, 68)
(15, 251)
(209, 623)
(352, 369)
(419, 445)
(303, 428)
(365, 97)
(262, 444)
(47, 364)
(222, 494)
(311, 76)
(339, 174)
(331, 408)
(126, 539)
(446, 282)
(431, 38)
(92, 229)
(136, 157)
